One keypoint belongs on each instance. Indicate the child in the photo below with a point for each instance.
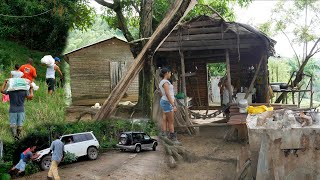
(16, 73)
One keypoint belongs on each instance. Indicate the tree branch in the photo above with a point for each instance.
(104, 3)
(311, 53)
(135, 7)
(291, 46)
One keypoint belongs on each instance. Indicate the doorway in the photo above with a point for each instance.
(215, 72)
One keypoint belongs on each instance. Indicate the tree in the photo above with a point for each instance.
(43, 25)
(298, 21)
(145, 15)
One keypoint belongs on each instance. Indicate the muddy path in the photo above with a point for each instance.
(112, 165)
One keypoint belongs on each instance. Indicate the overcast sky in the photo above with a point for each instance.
(259, 11)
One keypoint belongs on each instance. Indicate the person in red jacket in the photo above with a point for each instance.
(28, 70)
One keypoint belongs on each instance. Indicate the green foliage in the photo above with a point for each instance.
(99, 31)
(69, 158)
(32, 168)
(46, 32)
(160, 8)
(217, 69)
(4, 168)
(289, 17)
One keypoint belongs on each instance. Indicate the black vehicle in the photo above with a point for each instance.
(136, 141)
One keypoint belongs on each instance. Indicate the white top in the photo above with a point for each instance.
(171, 91)
(50, 72)
(16, 74)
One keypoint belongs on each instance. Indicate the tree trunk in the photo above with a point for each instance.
(146, 80)
(174, 16)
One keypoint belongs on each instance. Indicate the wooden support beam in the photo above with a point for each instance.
(254, 78)
(184, 88)
(228, 76)
(179, 9)
(225, 46)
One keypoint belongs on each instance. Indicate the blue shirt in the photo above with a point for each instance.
(57, 147)
(17, 99)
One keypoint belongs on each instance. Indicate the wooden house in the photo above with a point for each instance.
(193, 44)
(96, 69)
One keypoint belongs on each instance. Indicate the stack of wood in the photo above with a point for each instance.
(177, 153)
(181, 120)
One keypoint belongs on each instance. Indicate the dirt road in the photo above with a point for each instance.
(113, 165)
(216, 159)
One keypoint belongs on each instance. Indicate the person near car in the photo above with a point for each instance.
(29, 72)
(16, 109)
(16, 73)
(30, 155)
(24, 153)
(167, 104)
(57, 149)
(51, 75)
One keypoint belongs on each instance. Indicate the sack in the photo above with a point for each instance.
(48, 60)
(15, 84)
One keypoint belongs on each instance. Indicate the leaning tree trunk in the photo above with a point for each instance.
(174, 16)
(146, 80)
(296, 81)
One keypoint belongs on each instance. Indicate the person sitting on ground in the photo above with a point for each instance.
(16, 73)
(51, 73)
(23, 162)
(16, 109)
(29, 72)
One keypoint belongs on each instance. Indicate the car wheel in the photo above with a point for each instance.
(137, 149)
(92, 153)
(154, 147)
(45, 162)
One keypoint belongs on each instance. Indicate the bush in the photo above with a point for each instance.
(69, 158)
(31, 168)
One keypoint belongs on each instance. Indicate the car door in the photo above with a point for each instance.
(80, 144)
(147, 141)
(69, 146)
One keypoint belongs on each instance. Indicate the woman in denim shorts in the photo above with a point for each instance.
(167, 104)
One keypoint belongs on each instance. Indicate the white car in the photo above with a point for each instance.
(81, 144)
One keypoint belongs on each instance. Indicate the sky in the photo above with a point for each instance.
(258, 12)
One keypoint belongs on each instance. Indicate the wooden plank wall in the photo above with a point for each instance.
(90, 71)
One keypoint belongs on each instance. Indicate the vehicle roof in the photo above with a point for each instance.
(128, 132)
(76, 134)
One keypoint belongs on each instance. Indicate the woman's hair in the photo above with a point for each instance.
(163, 71)
(16, 67)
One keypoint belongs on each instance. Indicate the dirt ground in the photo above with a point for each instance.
(216, 160)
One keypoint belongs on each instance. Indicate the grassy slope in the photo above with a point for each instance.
(43, 108)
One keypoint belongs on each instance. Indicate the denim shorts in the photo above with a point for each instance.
(166, 106)
(16, 119)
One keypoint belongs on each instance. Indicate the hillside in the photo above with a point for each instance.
(43, 108)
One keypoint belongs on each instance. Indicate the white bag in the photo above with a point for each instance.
(48, 60)
(15, 84)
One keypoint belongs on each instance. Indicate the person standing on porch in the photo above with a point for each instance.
(167, 104)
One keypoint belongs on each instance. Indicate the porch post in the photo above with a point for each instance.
(183, 69)
(228, 76)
